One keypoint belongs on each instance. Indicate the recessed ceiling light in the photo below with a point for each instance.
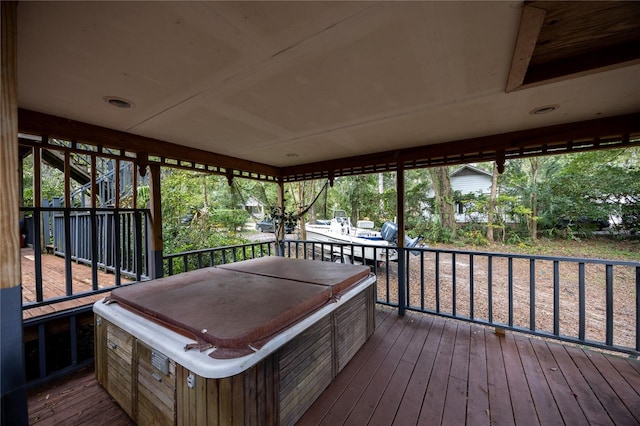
(544, 109)
(118, 102)
(292, 155)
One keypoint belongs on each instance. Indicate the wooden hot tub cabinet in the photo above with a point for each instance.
(144, 367)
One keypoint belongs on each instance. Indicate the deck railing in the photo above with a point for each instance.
(585, 301)
(105, 239)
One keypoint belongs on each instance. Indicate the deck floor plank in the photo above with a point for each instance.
(500, 407)
(371, 396)
(478, 391)
(588, 401)
(396, 389)
(393, 380)
(54, 283)
(546, 408)
(411, 403)
(397, 335)
(607, 396)
(523, 407)
(626, 394)
(560, 389)
(458, 382)
(433, 404)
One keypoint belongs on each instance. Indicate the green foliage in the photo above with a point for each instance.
(230, 220)
(199, 234)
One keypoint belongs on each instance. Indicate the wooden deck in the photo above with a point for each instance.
(420, 369)
(53, 283)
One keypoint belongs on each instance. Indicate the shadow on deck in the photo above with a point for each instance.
(421, 369)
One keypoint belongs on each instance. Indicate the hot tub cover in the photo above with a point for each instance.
(237, 310)
(337, 276)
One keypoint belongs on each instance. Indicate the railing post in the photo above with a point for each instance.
(401, 253)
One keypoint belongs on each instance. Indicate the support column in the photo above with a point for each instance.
(12, 370)
(280, 236)
(156, 267)
(402, 256)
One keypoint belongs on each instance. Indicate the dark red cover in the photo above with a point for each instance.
(338, 276)
(235, 310)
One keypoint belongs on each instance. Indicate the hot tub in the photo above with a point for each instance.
(250, 342)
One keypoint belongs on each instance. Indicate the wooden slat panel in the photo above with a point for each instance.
(119, 383)
(305, 370)
(156, 390)
(351, 327)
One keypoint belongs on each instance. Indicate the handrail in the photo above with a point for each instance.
(89, 236)
(548, 297)
(473, 286)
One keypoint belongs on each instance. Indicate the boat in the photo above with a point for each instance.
(346, 243)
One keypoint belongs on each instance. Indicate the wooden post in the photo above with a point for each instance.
(12, 371)
(155, 266)
(280, 229)
(402, 275)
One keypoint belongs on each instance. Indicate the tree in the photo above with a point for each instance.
(492, 202)
(443, 197)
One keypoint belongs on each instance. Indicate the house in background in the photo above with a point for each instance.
(470, 180)
(254, 207)
(466, 180)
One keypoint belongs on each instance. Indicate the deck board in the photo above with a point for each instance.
(54, 283)
(419, 367)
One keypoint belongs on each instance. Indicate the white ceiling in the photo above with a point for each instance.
(295, 82)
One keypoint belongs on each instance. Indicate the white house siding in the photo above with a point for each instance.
(468, 181)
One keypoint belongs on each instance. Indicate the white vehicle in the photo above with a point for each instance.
(379, 244)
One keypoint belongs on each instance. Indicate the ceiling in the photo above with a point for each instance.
(286, 84)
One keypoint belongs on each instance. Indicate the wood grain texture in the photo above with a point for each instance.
(9, 208)
(605, 387)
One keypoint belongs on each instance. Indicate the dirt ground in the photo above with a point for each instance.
(533, 285)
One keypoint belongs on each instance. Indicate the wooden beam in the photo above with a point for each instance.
(10, 206)
(57, 127)
(603, 128)
(13, 396)
(530, 25)
(156, 221)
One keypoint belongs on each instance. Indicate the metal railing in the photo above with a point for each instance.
(586, 301)
(110, 240)
(591, 302)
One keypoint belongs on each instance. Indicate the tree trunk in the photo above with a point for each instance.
(444, 197)
(492, 203)
(533, 220)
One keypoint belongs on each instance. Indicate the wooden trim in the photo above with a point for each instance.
(596, 134)
(530, 25)
(38, 123)
(538, 141)
(156, 208)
